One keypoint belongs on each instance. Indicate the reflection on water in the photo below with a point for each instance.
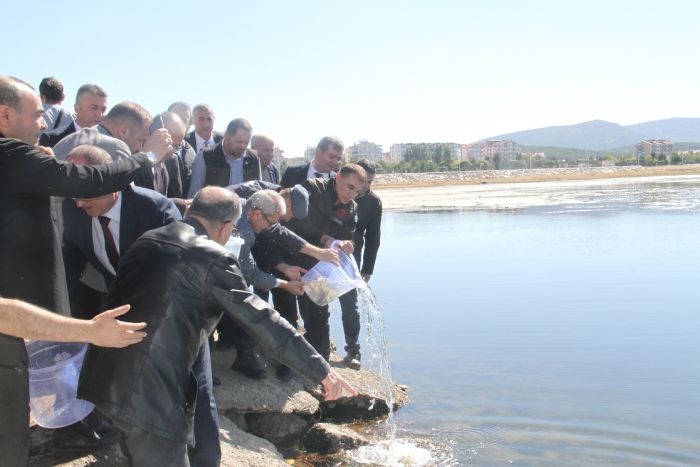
(550, 334)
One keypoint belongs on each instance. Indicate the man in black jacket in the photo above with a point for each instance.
(180, 280)
(329, 153)
(332, 216)
(90, 107)
(31, 266)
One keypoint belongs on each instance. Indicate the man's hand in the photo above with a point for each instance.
(366, 277)
(159, 143)
(293, 273)
(333, 385)
(328, 255)
(107, 331)
(293, 287)
(45, 150)
(347, 246)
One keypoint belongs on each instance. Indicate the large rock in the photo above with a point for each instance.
(326, 438)
(370, 403)
(238, 393)
(241, 449)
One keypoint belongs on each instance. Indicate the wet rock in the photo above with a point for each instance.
(285, 431)
(239, 448)
(370, 403)
(240, 394)
(326, 438)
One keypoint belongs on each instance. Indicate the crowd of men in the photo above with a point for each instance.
(119, 213)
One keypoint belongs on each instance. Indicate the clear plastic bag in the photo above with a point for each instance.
(325, 281)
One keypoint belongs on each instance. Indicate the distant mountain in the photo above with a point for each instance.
(674, 129)
(599, 135)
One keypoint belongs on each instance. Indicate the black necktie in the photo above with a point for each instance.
(110, 246)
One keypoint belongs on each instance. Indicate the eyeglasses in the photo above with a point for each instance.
(269, 222)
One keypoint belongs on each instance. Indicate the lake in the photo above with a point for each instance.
(557, 325)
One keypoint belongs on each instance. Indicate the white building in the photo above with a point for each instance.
(365, 150)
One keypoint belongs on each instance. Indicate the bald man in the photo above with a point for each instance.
(264, 146)
(168, 175)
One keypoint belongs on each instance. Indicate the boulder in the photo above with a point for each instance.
(370, 403)
(326, 438)
(241, 449)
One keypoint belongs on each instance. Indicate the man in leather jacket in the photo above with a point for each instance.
(180, 280)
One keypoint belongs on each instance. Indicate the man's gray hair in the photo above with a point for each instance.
(215, 205)
(131, 112)
(9, 91)
(181, 109)
(267, 201)
(93, 89)
(92, 155)
(330, 141)
(205, 107)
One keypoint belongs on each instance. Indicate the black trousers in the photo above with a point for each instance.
(351, 322)
(316, 324)
(14, 414)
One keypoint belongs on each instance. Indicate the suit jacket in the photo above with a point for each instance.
(180, 283)
(294, 175)
(31, 262)
(96, 136)
(368, 231)
(272, 171)
(141, 210)
(192, 141)
(51, 138)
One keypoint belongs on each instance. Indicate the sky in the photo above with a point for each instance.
(383, 71)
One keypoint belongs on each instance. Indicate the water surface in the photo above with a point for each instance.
(557, 332)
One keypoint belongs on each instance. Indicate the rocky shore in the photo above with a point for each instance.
(406, 180)
(264, 422)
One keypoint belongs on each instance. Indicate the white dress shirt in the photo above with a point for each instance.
(98, 237)
(203, 143)
(312, 172)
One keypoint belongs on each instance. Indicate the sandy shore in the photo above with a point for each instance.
(514, 191)
(413, 180)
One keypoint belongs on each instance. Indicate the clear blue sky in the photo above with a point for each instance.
(386, 71)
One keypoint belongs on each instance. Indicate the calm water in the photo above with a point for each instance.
(564, 332)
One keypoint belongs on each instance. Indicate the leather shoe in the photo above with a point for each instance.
(247, 363)
(352, 361)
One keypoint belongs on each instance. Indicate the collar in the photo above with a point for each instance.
(77, 127)
(200, 141)
(115, 211)
(198, 227)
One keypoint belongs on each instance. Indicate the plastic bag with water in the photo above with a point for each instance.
(325, 281)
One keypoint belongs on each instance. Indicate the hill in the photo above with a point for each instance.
(600, 135)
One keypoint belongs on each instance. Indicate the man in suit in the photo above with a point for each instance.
(367, 237)
(90, 108)
(32, 263)
(329, 153)
(182, 110)
(99, 230)
(180, 280)
(203, 134)
(264, 147)
(168, 175)
(52, 96)
(227, 163)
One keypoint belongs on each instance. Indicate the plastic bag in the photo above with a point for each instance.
(325, 281)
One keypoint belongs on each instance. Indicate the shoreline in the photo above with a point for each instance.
(512, 193)
(391, 181)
